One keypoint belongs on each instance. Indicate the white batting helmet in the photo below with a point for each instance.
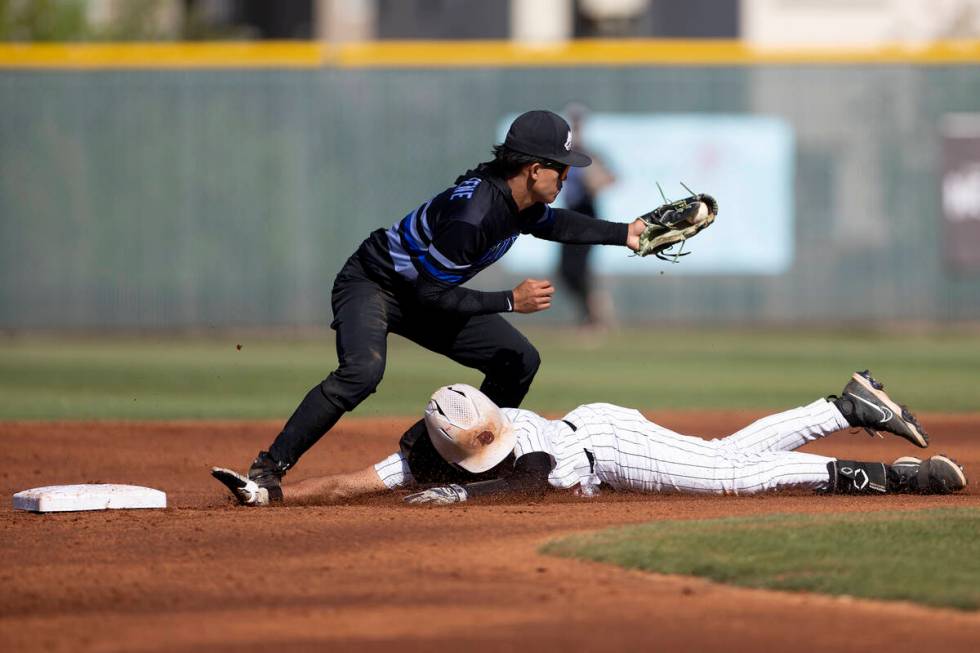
(467, 429)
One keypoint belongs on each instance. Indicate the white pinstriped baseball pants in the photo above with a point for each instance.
(636, 454)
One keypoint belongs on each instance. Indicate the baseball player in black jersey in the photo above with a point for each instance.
(408, 279)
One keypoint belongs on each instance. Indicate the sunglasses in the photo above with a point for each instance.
(554, 165)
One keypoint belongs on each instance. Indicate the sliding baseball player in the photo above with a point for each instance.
(468, 447)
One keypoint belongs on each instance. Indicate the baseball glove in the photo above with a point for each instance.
(675, 222)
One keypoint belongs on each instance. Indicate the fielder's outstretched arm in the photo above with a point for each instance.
(567, 226)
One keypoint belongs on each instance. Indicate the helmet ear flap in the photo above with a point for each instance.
(485, 438)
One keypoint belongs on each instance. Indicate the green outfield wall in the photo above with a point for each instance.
(231, 196)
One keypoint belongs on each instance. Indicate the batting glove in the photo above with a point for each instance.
(439, 496)
(246, 491)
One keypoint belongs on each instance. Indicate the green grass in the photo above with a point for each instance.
(54, 377)
(927, 557)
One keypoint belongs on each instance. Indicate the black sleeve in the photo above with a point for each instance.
(573, 227)
(530, 477)
(443, 296)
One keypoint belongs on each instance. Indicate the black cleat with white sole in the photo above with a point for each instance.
(938, 475)
(865, 404)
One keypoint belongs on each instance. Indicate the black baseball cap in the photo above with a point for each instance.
(545, 135)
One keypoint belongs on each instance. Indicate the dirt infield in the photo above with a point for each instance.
(206, 575)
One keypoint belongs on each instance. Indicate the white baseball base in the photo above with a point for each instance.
(92, 496)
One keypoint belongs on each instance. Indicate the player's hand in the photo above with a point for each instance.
(633, 234)
(245, 490)
(533, 295)
(438, 496)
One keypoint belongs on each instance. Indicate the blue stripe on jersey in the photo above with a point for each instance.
(405, 231)
(411, 250)
(496, 251)
(424, 220)
(437, 273)
(404, 265)
(419, 219)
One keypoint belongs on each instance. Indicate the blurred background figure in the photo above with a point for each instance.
(593, 304)
(238, 175)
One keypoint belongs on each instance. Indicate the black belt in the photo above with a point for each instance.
(588, 454)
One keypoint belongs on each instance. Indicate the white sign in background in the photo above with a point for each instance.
(745, 162)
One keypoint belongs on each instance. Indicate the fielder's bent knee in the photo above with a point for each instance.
(354, 381)
(514, 365)
(509, 376)
(532, 361)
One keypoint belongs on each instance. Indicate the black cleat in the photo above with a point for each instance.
(938, 475)
(266, 471)
(865, 404)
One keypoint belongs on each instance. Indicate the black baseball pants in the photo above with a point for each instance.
(364, 314)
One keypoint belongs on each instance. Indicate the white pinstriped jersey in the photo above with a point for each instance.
(631, 452)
